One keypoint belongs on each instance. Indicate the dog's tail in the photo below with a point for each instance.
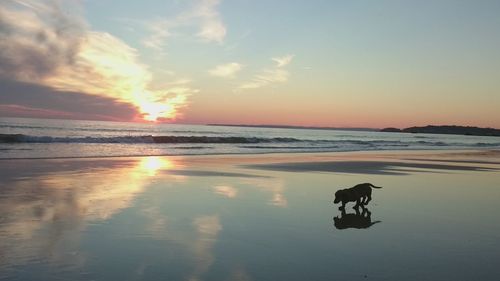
(374, 186)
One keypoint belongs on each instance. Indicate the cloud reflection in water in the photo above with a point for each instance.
(43, 216)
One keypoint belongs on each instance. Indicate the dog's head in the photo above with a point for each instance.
(338, 196)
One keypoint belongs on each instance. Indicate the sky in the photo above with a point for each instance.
(386, 63)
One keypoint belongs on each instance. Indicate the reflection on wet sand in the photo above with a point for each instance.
(207, 228)
(134, 219)
(42, 216)
(226, 191)
(151, 165)
(275, 186)
(359, 220)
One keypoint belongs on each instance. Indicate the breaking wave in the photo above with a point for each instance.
(20, 138)
(263, 143)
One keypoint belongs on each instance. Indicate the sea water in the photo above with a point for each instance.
(46, 138)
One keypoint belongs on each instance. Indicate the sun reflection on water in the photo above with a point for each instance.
(151, 165)
(66, 199)
(47, 215)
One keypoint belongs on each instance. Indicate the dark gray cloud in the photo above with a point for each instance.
(21, 99)
(34, 42)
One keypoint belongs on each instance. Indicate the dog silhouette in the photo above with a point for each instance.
(360, 193)
(354, 220)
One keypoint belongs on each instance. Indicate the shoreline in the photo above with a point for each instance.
(368, 163)
(289, 153)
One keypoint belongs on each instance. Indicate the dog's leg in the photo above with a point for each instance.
(356, 208)
(365, 212)
(358, 203)
(343, 206)
(363, 209)
(368, 199)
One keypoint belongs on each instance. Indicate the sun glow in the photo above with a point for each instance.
(117, 73)
(153, 111)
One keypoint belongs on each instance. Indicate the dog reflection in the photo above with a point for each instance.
(357, 220)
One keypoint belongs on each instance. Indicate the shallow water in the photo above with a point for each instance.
(159, 218)
(43, 138)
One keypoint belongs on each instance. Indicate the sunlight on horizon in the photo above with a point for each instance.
(116, 73)
(154, 111)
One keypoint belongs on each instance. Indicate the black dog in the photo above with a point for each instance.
(357, 220)
(361, 194)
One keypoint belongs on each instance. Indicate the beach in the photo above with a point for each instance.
(251, 217)
(214, 140)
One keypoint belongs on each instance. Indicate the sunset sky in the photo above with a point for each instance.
(313, 63)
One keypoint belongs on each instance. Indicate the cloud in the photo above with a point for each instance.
(211, 28)
(213, 31)
(203, 15)
(182, 81)
(40, 43)
(107, 66)
(159, 33)
(22, 99)
(265, 77)
(283, 61)
(269, 76)
(15, 110)
(36, 39)
(227, 70)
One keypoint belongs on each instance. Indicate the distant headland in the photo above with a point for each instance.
(429, 129)
(452, 130)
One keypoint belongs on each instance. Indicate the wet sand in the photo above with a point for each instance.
(251, 217)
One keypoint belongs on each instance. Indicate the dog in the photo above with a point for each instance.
(360, 193)
(357, 220)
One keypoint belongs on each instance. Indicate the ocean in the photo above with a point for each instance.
(49, 138)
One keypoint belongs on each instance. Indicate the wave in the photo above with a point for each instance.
(20, 138)
(252, 142)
